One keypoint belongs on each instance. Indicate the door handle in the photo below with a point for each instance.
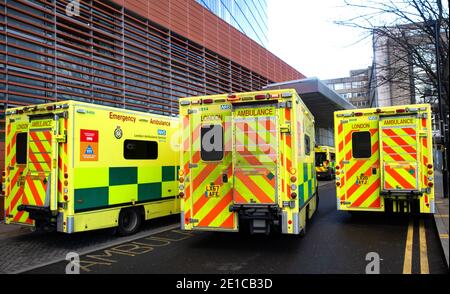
(374, 170)
(224, 178)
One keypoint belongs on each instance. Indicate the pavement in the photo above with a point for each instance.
(335, 242)
(23, 250)
(441, 214)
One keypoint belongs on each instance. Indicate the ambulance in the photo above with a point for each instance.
(384, 159)
(73, 167)
(325, 162)
(247, 163)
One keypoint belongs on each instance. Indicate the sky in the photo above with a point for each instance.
(302, 33)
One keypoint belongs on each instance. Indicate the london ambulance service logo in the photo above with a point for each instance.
(118, 133)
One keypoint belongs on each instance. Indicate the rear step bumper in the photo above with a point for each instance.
(260, 217)
(396, 194)
(252, 209)
(43, 216)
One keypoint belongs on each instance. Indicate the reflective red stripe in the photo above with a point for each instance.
(375, 185)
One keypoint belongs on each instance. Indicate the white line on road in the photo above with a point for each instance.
(104, 246)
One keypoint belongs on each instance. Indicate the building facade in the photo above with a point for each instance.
(354, 88)
(248, 16)
(134, 54)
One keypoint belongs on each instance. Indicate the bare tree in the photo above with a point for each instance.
(410, 39)
(404, 32)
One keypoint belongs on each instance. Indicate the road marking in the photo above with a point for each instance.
(441, 215)
(103, 246)
(424, 267)
(438, 201)
(443, 236)
(407, 264)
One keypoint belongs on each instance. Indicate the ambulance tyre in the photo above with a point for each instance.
(303, 231)
(129, 221)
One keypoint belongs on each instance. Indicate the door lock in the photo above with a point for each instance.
(224, 178)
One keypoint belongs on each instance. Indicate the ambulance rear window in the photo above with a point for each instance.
(211, 142)
(140, 149)
(361, 146)
(21, 148)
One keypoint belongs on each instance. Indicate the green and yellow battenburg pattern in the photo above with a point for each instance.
(97, 188)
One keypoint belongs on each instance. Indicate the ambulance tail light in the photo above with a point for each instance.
(66, 198)
(260, 97)
(293, 195)
(50, 107)
(338, 184)
(181, 194)
(207, 101)
(378, 110)
(337, 167)
(358, 113)
(400, 110)
(430, 166)
(430, 184)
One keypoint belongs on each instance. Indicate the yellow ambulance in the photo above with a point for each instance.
(384, 159)
(247, 162)
(73, 166)
(325, 162)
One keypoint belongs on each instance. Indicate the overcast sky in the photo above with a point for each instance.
(302, 33)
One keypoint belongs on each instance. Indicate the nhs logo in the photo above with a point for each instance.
(225, 106)
(161, 132)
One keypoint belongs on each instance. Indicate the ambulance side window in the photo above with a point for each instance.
(139, 149)
(361, 145)
(211, 142)
(307, 145)
(21, 148)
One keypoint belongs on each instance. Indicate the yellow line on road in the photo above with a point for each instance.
(424, 267)
(443, 236)
(441, 215)
(407, 264)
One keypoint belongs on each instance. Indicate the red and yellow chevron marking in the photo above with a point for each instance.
(62, 162)
(210, 211)
(256, 158)
(15, 189)
(358, 186)
(39, 166)
(400, 156)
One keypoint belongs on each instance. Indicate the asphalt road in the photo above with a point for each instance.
(336, 242)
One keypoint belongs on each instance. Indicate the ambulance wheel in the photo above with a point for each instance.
(129, 221)
(317, 201)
